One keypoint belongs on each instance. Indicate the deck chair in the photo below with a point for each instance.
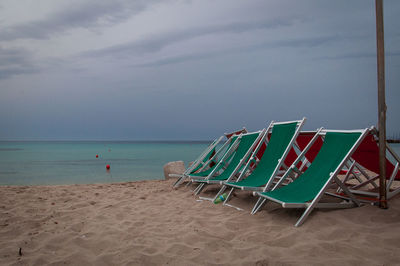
(302, 141)
(367, 157)
(228, 153)
(308, 188)
(243, 147)
(203, 162)
(228, 150)
(199, 162)
(282, 140)
(236, 132)
(208, 159)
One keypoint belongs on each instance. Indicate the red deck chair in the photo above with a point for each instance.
(367, 155)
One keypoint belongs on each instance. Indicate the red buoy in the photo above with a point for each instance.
(97, 156)
(108, 167)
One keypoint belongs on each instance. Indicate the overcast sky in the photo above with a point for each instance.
(137, 70)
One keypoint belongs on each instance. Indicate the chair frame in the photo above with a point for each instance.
(199, 160)
(232, 149)
(292, 143)
(309, 206)
(370, 179)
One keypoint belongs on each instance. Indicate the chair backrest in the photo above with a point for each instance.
(218, 166)
(237, 132)
(367, 154)
(302, 140)
(205, 159)
(245, 144)
(281, 136)
(306, 187)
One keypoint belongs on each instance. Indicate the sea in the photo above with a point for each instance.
(75, 162)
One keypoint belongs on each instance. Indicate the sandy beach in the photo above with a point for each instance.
(150, 223)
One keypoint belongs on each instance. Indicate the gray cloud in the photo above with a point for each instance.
(13, 71)
(290, 43)
(191, 65)
(157, 43)
(12, 56)
(87, 15)
(15, 61)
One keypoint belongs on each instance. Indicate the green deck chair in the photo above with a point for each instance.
(199, 162)
(204, 167)
(208, 157)
(306, 190)
(283, 136)
(199, 168)
(204, 173)
(246, 144)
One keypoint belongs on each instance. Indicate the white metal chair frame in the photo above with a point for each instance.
(199, 160)
(276, 171)
(309, 206)
(370, 179)
(232, 149)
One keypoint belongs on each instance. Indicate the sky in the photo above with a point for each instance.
(191, 70)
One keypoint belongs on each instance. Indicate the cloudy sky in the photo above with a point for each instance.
(181, 69)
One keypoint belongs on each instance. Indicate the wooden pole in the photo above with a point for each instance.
(381, 103)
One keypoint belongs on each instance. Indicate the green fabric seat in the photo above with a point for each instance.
(307, 186)
(208, 171)
(280, 139)
(245, 143)
(206, 158)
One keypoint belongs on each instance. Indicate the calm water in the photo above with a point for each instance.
(51, 163)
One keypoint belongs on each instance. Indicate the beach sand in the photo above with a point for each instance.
(150, 223)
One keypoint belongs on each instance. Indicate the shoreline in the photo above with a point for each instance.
(85, 184)
(149, 222)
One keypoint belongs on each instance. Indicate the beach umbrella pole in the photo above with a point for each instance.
(381, 103)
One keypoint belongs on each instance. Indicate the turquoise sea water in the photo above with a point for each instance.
(57, 163)
(75, 162)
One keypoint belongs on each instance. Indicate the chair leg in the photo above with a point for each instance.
(260, 202)
(199, 189)
(229, 195)
(178, 182)
(220, 192)
(304, 215)
(189, 183)
(194, 190)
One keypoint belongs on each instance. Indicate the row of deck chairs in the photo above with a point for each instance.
(295, 168)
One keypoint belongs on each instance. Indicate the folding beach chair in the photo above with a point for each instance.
(204, 171)
(203, 162)
(308, 188)
(206, 162)
(282, 140)
(228, 150)
(199, 162)
(236, 132)
(367, 157)
(241, 149)
(302, 141)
